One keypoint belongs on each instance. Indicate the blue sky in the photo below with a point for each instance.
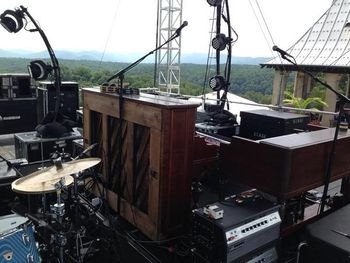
(131, 25)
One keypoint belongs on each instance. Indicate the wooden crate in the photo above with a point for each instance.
(157, 149)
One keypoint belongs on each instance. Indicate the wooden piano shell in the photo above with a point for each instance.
(157, 157)
(289, 165)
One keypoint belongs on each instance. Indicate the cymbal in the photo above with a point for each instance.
(68, 168)
(27, 185)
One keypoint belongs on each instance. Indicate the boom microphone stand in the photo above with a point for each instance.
(120, 75)
(342, 101)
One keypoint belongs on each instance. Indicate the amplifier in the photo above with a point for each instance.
(249, 222)
(261, 124)
(214, 130)
(266, 254)
(327, 240)
(69, 98)
(33, 148)
(17, 115)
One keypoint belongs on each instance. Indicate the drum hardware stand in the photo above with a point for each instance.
(58, 211)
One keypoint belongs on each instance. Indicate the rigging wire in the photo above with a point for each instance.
(267, 29)
(263, 18)
(110, 32)
(261, 28)
(268, 44)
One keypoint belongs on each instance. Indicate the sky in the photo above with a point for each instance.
(129, 26)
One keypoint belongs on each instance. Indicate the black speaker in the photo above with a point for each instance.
(16, 86)
(261, 124)
(327, 238)
(18, 115)
(69, 98)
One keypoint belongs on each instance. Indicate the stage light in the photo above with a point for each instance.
(214, 2)
(38, 70)
(217, 83)
(12, 21)
(220, 42)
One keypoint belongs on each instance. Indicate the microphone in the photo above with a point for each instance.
(89, 148)
(178, 31)
(281, 51)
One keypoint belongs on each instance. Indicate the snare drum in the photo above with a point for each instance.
(17, 242)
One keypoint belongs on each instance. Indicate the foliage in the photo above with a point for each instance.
(250, 81)
(258, 97)
(299, 103)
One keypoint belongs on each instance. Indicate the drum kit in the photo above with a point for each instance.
(17, 232)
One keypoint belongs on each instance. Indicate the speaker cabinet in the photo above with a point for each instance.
(69, 98)
(17, 115)
(261, 124)
(16, 86)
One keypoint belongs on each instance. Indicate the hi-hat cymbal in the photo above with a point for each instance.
(27, 185)
(68, 168)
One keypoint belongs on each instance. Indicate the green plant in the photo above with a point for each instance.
(314, 103)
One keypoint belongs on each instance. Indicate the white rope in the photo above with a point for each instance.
(110, 32)
(262, 29)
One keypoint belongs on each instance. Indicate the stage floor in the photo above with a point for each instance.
(124, 250)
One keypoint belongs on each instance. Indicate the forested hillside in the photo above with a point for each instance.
(250, 81)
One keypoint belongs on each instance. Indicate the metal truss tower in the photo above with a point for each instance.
(167, 72)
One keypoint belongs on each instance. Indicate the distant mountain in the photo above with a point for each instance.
(201, 58)
(194, 58)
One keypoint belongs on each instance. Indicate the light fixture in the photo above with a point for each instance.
(39, 70)
(214, 2)
(12, 21)
(217, 83)
(220, 42)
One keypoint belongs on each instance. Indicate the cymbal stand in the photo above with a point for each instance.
(43, 200)
(58, 211)
(75, 197)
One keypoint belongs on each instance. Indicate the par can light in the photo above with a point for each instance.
(217, 83)
(214, 2)
(38, 70)
(219, 42)
(12, 21)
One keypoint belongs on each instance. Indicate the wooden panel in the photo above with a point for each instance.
(141, 167)
(133, 111)
(87, 126)
(176, 160)
(155, 171)
(154, 179)
(283, 167)
(105, 145)
(205, 156)
(131, 213)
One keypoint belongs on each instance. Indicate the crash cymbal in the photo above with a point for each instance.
(28, 185)
(68, 168)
